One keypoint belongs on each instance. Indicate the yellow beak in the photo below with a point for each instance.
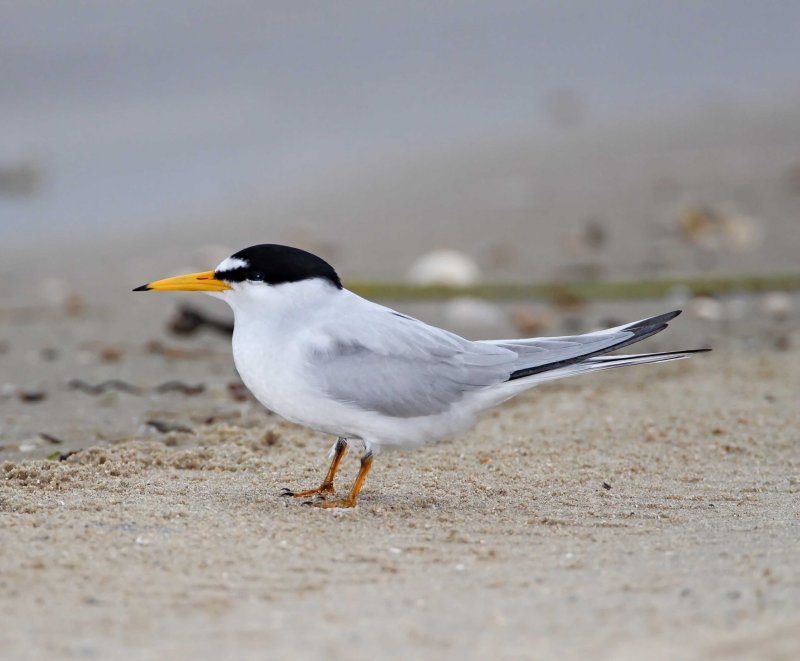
(204, 281)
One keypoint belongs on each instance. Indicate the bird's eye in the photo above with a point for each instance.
(258, 277)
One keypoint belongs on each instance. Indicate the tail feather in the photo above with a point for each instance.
(639, 358)
(611, 362)
(586, 347)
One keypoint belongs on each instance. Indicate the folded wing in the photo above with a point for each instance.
(382, 361)
(401, 367)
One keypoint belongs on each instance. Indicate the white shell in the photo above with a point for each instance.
(444, 267)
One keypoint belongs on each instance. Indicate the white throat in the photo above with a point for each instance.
(281, 305)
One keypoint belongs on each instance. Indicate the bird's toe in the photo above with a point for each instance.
(340, 503)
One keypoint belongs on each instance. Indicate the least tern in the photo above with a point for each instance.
(321, 356)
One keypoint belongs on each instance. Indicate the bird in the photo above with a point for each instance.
(321, 356)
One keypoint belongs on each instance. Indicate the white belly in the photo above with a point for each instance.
(276, 374)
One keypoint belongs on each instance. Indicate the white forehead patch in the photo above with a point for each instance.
(230, 264)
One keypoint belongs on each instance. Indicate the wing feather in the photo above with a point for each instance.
(378, 360)
(401, 367)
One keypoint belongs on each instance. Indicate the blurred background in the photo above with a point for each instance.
(417, 143)
(579, 145)
(541, 139)
(569, 164)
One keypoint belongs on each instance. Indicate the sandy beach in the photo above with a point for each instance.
(648, 511)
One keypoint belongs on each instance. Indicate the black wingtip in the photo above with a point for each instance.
(657, 320)
(142, 288)
(640, 330)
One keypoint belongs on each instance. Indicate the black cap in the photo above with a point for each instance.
(274, 264)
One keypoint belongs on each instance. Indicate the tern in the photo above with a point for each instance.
(321, 356)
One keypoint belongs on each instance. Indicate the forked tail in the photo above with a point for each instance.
(546, 358)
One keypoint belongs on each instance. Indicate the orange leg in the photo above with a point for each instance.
(326, 488)
(351, 498)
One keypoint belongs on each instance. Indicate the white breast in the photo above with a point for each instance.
(271, 323)
(272, 332)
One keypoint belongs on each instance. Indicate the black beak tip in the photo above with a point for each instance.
(142, 288)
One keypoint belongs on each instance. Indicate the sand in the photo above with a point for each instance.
(647, 513)
(651, 510)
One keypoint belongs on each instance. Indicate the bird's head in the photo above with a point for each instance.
(252, 272)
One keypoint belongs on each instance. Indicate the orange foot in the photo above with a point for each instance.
(324, 489)
(351, 498)
(345, 502)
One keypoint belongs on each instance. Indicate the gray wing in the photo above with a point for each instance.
(380, 360)
(398, 366)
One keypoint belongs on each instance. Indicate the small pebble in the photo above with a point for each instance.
(111, 354)
(163, 427)
(532, 321)
(706, 308)
(470, 312)
(31, 396)
(778, 305)
(50, 438)
(238, 392)
(444, 267)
